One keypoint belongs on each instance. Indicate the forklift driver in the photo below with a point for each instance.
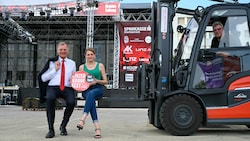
(218, 33)
(218, 30)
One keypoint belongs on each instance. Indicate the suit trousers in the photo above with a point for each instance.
(54, 92)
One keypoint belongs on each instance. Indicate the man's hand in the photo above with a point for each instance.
(222, 54)
(57, 65)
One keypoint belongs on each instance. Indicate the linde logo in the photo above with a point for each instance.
(128, 50)
(240, 95)
(129, 59)
(137, 29)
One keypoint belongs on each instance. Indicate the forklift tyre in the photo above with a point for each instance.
(181, 115)
(151, 122)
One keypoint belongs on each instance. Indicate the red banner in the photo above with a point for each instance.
(103, 9)
(135, 47)
(106, 9)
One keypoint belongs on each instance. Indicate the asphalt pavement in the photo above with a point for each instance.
(117, 124)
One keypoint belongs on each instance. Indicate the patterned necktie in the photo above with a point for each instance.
(62, 76)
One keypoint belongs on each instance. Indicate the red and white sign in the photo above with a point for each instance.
(135, 43)
(135, 47)
(106, 9)
(103, 9)
(78, 81)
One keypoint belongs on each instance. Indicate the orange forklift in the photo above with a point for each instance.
(201, 85)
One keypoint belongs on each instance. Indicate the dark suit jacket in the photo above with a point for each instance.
(43, 85)
(215, 43)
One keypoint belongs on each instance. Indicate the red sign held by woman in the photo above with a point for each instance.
(78, 81)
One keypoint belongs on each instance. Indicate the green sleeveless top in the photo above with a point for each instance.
(95, 72)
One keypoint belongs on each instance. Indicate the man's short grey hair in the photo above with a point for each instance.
(62, 43)
(217, 23)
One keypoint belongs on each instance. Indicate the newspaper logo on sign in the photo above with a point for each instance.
(130, 59)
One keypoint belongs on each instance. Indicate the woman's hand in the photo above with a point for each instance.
(94, 82)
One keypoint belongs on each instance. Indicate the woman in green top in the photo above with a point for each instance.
(95, 91)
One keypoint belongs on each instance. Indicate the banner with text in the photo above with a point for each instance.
(135, 47)
(103, 9)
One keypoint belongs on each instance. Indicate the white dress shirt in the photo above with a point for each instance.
(54, 76)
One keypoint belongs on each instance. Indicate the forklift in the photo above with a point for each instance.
(201, 85)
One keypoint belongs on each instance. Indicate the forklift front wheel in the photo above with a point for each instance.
(181, 115)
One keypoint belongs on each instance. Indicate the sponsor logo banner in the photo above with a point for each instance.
(135, 47)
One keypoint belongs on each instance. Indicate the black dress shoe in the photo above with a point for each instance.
(50, 134)
(63, 131)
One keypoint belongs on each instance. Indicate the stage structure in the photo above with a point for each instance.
(90, 8)
(11, 29)
(73, 21)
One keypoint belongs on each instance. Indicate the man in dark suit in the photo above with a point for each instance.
(54, 82)
(43, 85)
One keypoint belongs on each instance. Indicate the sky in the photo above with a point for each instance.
(188, 4)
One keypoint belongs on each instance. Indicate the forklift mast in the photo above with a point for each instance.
(159, 70)
(158, 73)
(163, 14)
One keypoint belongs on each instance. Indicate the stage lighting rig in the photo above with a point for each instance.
(65, 10)
(48, 12)
(92, 3)
(6, 15)
(14, 30)
(72, 11)
(31, 14)
(79, 7)
(23, 16)
(42, 13)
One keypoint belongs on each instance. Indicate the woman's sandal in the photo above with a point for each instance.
(97, 136)
(79, 126)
